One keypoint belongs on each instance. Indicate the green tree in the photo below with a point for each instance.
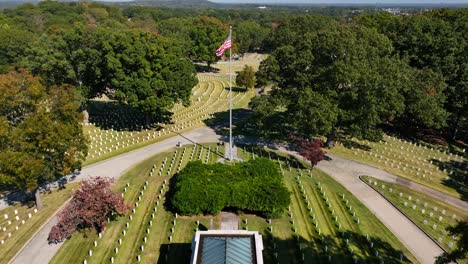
(424, 100)
(246, 77)
(293, 28)
(434, 40)
(207, 35)
(13, 47)
(46, 58)
(202, 188)
(341, 78)
(41, 138)
(146, 71)
(178, 29)
(249, 36)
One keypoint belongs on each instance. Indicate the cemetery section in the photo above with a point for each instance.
(431, 215)
(324, 221)
(20, 221)
(435, 167)
(115, 129)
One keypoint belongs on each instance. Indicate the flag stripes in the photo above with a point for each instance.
(226, 45)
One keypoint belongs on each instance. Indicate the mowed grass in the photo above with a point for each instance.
(318, 237)
(52, 202)
(113, 132)
(431, 215)
(307, 231)
(214, 99)
(252, 59)
(76, 249)
(425, 164)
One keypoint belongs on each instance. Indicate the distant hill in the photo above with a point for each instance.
(14, 3)
(177, 3)
(161, 3)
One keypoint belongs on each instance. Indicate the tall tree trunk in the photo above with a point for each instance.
(37, 197)
(454, 128)
(331, 139)
(148, 119)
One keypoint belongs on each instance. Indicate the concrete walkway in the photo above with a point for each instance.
(347, 172)
(229, 221)
(38, 251)
(344, 171)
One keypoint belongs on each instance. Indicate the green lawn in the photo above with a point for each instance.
(308, 230)
(213, 98)
(431, 215)
(52, 202)
(428, 165)
(159, 231)
(210, 96)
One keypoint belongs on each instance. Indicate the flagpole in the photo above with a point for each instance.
(231, 142)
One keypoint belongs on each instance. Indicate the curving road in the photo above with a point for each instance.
(37, 251)
(347, 173)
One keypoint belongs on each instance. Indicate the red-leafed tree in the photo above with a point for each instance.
(90, 207)
(310, 149)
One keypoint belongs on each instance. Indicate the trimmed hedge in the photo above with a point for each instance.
(256, 185)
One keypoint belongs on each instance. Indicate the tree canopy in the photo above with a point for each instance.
(246, 77)
(435, 40)
(146, 71)
(90, 207)
(255, 186)
(41, 138)
(207, 35)
(346, 78)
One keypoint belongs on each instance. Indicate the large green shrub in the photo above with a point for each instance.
(255, 186)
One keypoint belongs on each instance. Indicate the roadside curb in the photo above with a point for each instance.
(396, 207)
(38, 230)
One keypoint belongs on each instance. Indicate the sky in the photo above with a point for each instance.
(344, 1)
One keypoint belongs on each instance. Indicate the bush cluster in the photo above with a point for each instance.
(254, 186)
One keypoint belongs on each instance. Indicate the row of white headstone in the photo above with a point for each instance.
(426, 209)
(18, 220)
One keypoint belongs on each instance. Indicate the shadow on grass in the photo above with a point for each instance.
(349, 143)
(329, 249)
(12, 195)
(243, 131)
(322, 249)
(457, 175)
(175, 253)
(205, 68)
(121, 117)
(237, 89)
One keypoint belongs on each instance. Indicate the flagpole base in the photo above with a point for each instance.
(227, 155)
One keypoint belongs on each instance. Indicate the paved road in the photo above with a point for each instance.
(38, 251)
(347, 172)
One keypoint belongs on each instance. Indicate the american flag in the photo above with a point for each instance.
(226, 45)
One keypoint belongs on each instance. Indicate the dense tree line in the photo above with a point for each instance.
(41, 138)
(436, 40)
(139, 56)
(254, 186)
(328, 76)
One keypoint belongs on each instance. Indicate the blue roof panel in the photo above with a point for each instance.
(226, 250)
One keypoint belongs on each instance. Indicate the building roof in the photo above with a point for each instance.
(227, 247)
